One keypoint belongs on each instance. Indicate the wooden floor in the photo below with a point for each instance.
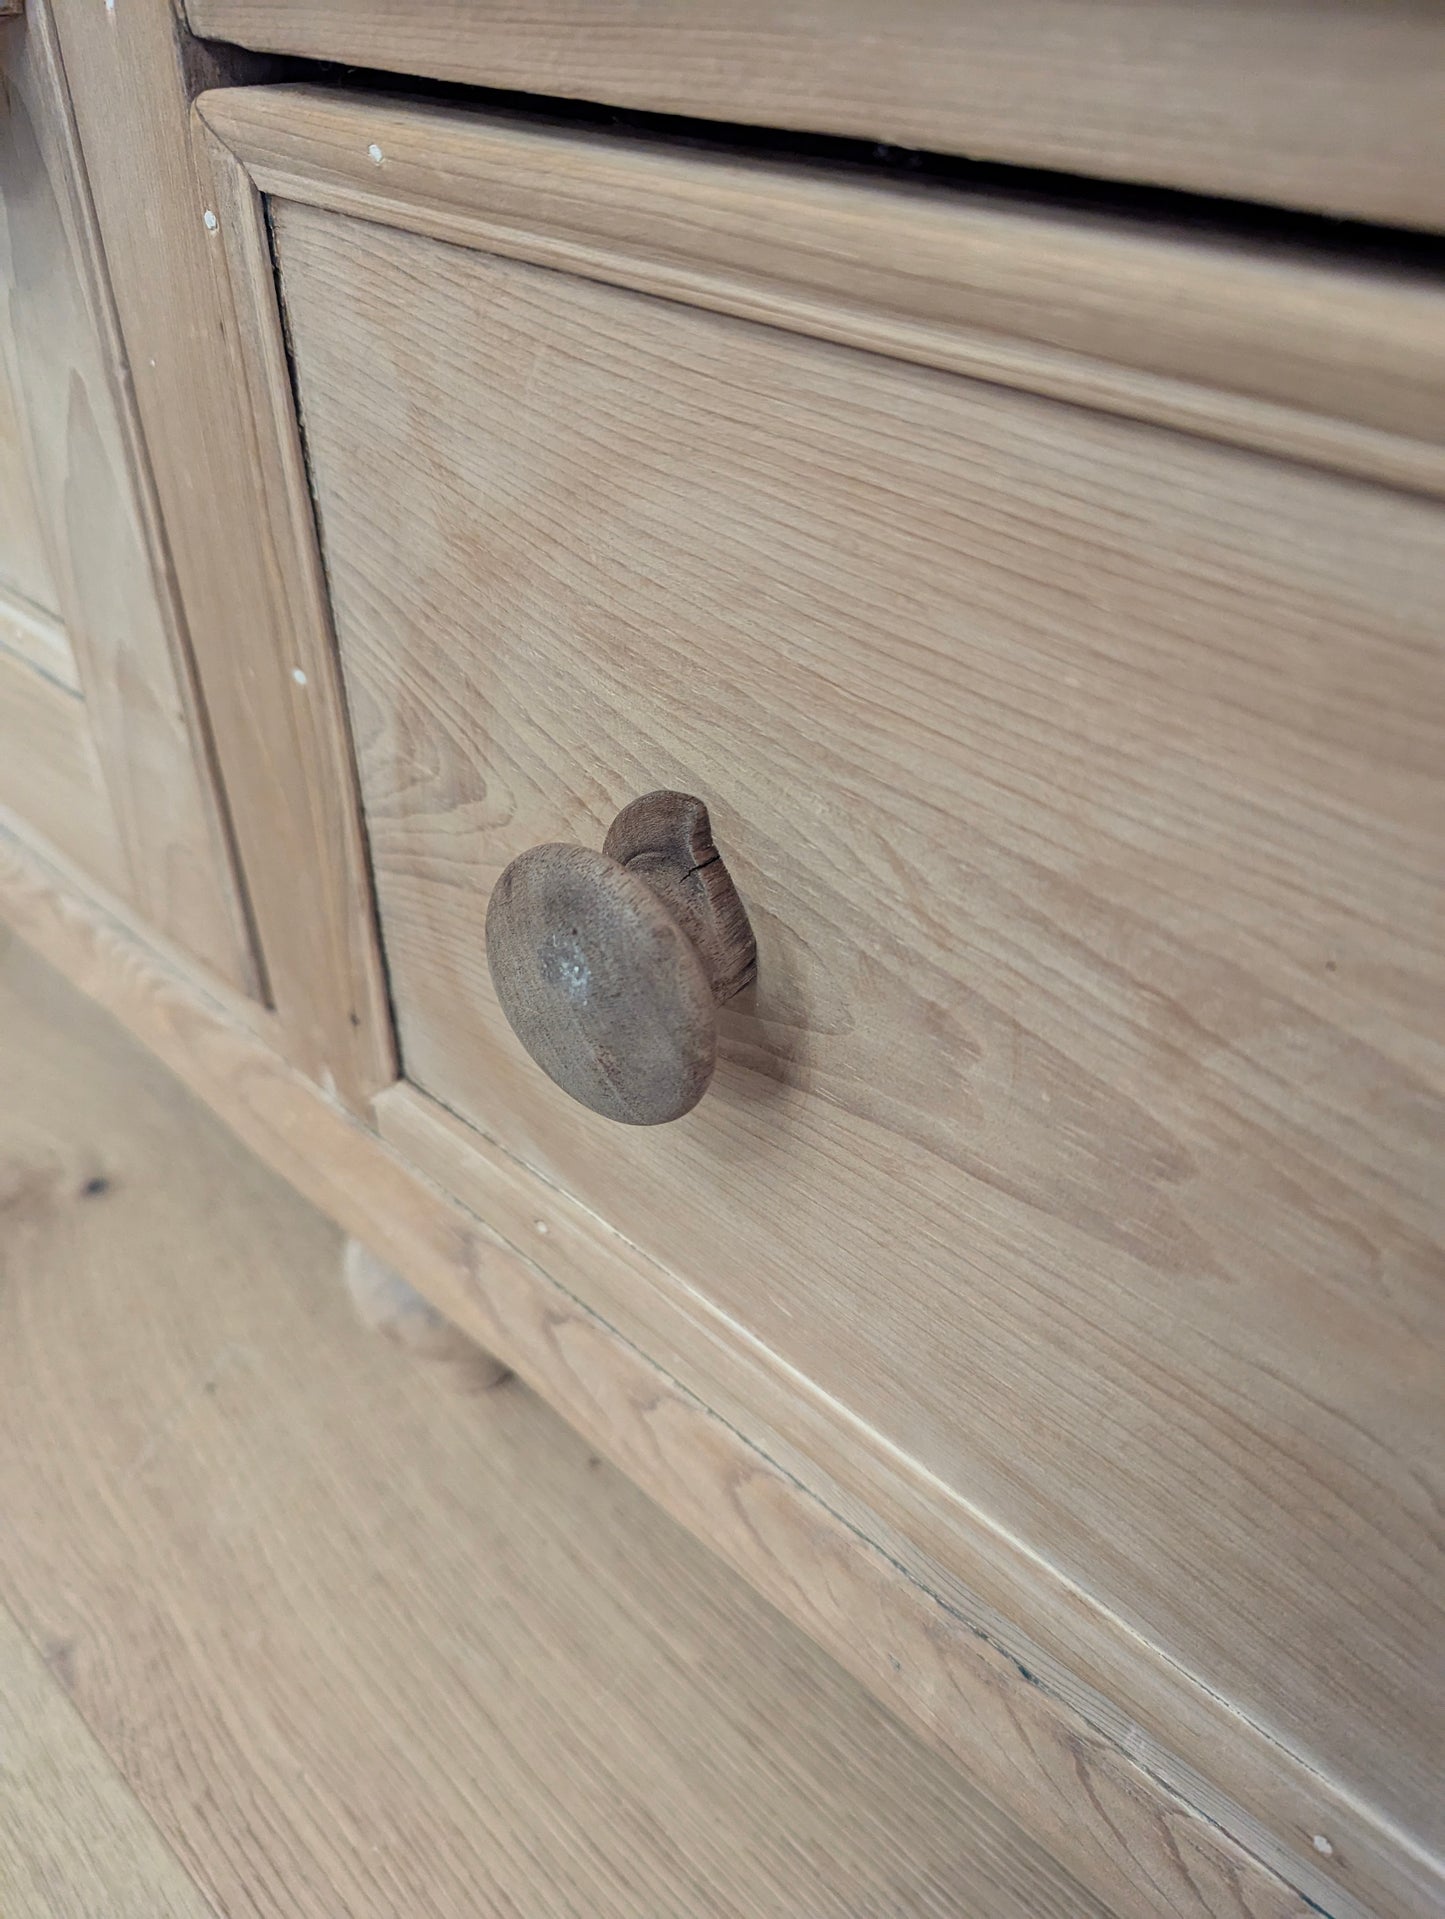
(289, 1627)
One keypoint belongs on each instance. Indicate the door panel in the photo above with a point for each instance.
(97, 572)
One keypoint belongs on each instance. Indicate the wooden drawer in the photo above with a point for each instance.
(1067, 1201)
(1339, 109)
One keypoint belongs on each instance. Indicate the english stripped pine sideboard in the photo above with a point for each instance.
(763, 688)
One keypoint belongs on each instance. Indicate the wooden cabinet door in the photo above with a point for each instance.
(103, 760)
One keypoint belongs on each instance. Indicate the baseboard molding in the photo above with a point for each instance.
(1094, 1797)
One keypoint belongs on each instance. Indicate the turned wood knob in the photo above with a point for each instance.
(610, 966)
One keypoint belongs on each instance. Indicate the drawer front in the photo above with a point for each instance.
(1084, 787)
(1076, 1151)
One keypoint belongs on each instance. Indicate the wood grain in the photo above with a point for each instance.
(72, 1837)
(1102, 927)
(1338, 109)
(105, 545)
(601, 985)
(245, 570)
(1284, 347)
(1128, 1835)
(667, 839)
(360, 1646)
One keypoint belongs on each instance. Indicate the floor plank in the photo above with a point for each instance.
(73, 1839)
(360, 1645)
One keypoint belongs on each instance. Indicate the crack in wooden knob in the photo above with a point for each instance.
(610, 966)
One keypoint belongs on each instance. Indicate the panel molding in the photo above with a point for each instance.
(1284, 350)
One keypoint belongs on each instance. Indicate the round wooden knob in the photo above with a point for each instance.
(610, 966)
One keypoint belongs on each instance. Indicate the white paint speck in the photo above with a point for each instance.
(110, 6)
(1321, 1844)
(377, 156)
(541, 1226)
(211, 222)
(298, 676)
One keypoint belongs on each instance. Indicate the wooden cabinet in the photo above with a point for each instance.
(1042, 1304)
(1066, 1195)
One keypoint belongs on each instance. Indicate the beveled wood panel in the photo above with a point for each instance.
(1082, 781)
(104, 546)
(1337, 108)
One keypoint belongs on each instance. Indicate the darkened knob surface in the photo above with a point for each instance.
(610, 966)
